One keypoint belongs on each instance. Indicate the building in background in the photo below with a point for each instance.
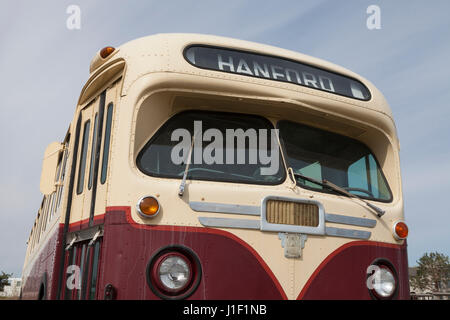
(13, 289)
(419, 294)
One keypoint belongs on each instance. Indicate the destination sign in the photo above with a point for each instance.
(275, 68)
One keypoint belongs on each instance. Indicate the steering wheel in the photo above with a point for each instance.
(360, 190)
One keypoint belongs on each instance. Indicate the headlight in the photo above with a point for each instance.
(382, 280)
(384, 284)
(174, 272)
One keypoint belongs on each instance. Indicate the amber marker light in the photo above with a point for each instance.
(148, 207)
(106, 51)
(400, 230)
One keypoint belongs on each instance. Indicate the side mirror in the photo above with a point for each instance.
(49, 165)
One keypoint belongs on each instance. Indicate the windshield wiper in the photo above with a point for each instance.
(186, 169)
(329, 185)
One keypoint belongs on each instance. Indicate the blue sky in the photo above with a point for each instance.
(44, 65)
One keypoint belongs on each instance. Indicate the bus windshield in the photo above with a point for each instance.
(225, 147)
(321, 154)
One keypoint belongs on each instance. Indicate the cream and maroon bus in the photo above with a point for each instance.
(204, 167)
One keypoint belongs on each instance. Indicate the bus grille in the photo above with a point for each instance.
(293, 213)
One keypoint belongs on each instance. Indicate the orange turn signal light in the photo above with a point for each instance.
(106, 51)
(401, 230)
(148, 207)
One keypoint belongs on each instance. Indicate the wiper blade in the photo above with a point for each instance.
(379, 211)
(320, 183)
(186, 169)
(332, 186)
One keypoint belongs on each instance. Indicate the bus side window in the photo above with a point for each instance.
(81, 271)
(107, 143)
(79, 294)
(93, 150)
(84, 147)
(94, 271)
(71, 261)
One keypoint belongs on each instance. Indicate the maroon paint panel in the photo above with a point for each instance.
(45, 269)
(342, 275)
(83, 224)
(231, 269)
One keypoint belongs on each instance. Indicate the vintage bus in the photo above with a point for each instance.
(203, 167)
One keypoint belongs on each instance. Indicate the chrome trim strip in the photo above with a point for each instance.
(229, 223)
(263, 225)
(266, 226)
(347, 233)
(361, 222)
(85, 234)
(224, 208)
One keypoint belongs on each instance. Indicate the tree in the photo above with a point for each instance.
(433, 272)
(4, 279)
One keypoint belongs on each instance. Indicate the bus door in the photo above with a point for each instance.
(100, 163)
(82, 267)
(89, 196)
(84, 139)
(89, 200)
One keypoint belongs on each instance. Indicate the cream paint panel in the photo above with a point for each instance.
(155, 110)
(49, 165)
(164, 53)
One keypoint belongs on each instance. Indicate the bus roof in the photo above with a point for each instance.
(164, 53)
